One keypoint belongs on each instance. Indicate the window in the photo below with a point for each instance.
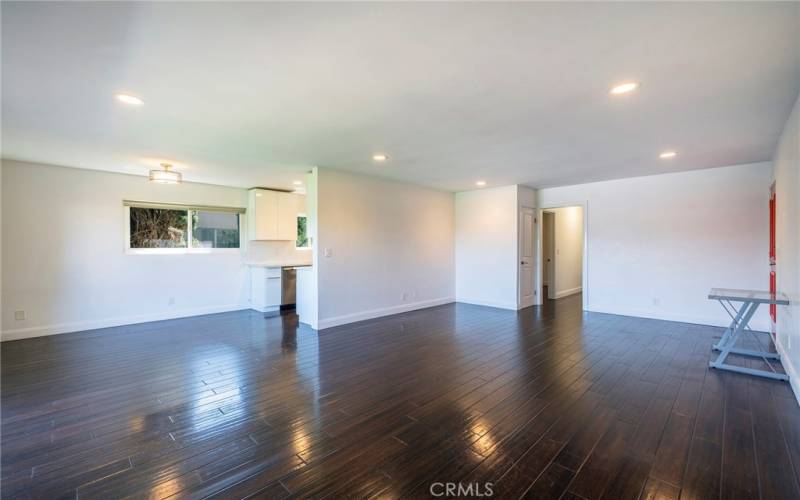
(163, 228)
(302, 232)
(158, 228)
(215, 229)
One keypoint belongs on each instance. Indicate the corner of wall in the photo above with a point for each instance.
(794, 383)
(786, 175)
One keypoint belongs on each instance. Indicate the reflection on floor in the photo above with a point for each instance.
(549, 401)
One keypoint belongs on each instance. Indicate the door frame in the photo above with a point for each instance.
(551, 281)
(520, 243)
(540, 251)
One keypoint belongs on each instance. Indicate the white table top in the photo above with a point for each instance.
(736, 295)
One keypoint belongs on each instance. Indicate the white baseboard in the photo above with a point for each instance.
(265, 309)
(310, 323)
(476, 302)
(680, 318)
(794, 383)
(566, 293)
(79, 326)
(377, 313)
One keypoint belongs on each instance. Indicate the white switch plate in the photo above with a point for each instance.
(328, 252)
(19, 315)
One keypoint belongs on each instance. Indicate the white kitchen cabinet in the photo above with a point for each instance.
(287, 216)
(265, 288)
(272, 215)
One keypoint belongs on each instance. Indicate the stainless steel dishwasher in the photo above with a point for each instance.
(288, 287)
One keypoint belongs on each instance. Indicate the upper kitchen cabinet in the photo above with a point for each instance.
(272, 215)
(287, 216)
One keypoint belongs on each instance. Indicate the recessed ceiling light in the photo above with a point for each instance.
(480, 183)
(668, 154)
(129, 99)
(380, 157)
(624, 88)
(297, 183)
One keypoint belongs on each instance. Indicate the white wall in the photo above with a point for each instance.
(63, 253)
(259, 251)
(486, 246)
(568, 250)
(386, 239)
(526, 197)
(657, 244)
(787, 243)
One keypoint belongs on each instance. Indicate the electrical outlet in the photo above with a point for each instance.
(19, 315)
(403, 296)
(172, 301)
(656, 301)
(413, 294)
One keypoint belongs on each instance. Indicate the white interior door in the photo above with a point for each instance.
(527, 269)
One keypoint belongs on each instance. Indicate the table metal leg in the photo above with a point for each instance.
(736, 319)
(728, 341)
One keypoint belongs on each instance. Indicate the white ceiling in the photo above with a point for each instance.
(251, 94)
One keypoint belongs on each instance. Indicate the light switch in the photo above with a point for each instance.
(328, 252)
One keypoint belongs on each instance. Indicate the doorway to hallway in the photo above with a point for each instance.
(562, 252)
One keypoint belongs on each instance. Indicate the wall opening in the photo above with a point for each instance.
(561, 260)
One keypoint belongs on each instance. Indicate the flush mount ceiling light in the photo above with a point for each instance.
(624, 88)
(297, 183)
(667, 155)
(480, 183)
(380, 157)
(166, 175)
(129, 99)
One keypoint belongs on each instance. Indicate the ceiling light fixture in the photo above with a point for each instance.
(166, 175)
(380, 157)
(129, 99)
(480, 183)
(624, 88)
(297, 183)
(667, 155)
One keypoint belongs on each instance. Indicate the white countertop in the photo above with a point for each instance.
(279, 263)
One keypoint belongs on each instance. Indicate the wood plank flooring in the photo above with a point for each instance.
(549, 402)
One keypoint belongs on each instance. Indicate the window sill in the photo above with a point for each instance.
(181, 251)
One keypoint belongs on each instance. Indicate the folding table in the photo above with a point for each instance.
(750, 300)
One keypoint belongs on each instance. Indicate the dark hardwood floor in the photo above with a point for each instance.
(549, 402)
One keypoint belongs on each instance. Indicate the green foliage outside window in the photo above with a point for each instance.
(302, 234)
(158, 228)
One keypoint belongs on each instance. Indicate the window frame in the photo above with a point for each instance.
(189, 250)
(308, 238)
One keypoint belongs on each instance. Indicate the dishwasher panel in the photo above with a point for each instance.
(288, 286)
